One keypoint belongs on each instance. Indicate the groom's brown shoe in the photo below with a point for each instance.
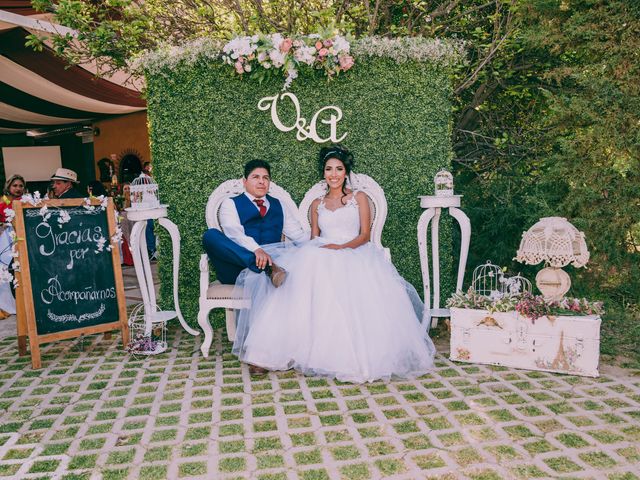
(277, 274)
(255, 370)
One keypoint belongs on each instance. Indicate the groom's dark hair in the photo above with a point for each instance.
(251, 165)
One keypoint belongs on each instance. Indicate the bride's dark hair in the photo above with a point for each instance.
(341, 153)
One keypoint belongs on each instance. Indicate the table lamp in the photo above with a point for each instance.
(557, 243)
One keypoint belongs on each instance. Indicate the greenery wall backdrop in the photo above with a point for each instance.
(205, 124)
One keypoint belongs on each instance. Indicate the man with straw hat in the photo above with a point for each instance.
(63, 184)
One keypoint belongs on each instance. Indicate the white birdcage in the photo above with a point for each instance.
(489, 280)
(144, 193)
(143, 342)
(443, 184)
(516, 285)
(486, 279)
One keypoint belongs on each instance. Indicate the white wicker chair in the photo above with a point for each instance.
(216, 294)
(377, 205)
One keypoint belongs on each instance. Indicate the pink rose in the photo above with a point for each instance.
(318, 45)
(239, 67)
(286, 45)
(346, 62)
(323, 52)
(328, 43)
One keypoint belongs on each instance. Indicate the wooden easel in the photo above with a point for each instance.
(25, 310)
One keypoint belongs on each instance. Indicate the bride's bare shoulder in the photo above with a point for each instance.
(360, 196)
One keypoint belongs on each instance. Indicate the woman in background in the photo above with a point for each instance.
(13, 190)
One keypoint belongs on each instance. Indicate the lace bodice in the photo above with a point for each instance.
(340, 225)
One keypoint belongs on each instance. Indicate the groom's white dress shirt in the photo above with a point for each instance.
(233, 229)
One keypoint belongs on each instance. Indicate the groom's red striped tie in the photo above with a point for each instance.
(261, 206)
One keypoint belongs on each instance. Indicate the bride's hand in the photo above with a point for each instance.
(333, 246)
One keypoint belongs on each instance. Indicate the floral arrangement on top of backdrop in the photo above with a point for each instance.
(260, 56)
(275, 52)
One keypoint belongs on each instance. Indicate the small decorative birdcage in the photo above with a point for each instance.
(143, 341)
(486, 279)
(443, 182)
(144, 193)
(516, 285)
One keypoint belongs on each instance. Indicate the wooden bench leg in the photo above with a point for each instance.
(22, 345)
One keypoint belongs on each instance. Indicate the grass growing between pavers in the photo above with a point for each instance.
(99, 413)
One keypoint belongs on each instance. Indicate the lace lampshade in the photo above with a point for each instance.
(556, 242)
(144, 193)
(443, 182)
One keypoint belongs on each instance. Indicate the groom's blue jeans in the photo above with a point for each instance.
(226, 256)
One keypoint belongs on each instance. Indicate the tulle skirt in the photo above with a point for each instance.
(345, 314)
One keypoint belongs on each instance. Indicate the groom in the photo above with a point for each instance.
(249, 221)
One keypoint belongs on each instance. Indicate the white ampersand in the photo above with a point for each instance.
(303, 132)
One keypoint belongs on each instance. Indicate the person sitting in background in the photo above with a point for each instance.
(63, 184)
(13, 190)
(96, 189)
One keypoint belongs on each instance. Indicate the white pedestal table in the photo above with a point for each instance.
(143, 268)
(433, 205)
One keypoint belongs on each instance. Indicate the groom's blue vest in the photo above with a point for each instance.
(263, 230)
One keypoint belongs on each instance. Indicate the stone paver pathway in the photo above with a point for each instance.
(99, 413)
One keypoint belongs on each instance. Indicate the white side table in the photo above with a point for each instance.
(143, 267)
(433, 205)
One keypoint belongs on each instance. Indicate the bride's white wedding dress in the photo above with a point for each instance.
(345, 314)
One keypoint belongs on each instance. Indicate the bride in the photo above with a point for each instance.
(344, 311)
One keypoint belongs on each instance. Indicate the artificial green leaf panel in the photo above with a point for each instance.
(205, 124)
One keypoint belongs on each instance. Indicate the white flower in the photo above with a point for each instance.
(240, 47)
(305, 55)
(45, 213)
(277, 58)
(515, 287)
(63, 218)
(292, 73)
(340, 44)
(87, 204)
(5, 274)
(117, 237)
(100, 244)
(9, 214)
(495, 295)
(276, 40)
(31, 199)
(262, 56)
(16, 265)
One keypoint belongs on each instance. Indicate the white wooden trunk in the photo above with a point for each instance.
(564, 344)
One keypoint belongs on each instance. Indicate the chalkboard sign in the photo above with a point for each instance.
(70, 278)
